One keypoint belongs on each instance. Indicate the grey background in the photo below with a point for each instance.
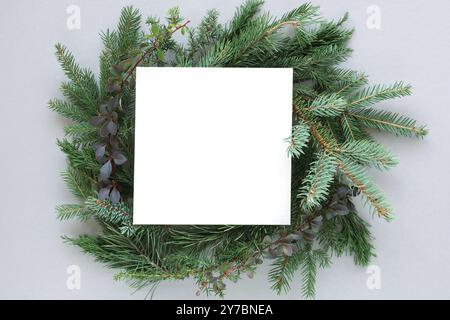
(413, 251)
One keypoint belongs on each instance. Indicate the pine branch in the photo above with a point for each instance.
(352, 130)
(305, 13)
(242, 17)
(108, 58)
(389, 122)
(78, 97)
(315, 186)
(209, 29)
(319, 64)
(68, 110)
(298, 140)
(357, 239)
(349, 235)
(153, 241)
(331, 32)
(72, 211)
(309, 271)
(303, 90)
(311, 260)
(83, 132)
(114, 213)
(217, 56)
(348, 81)
(329, 55)
(283, 270)
(128, 31)
(83, 84)
(116, 251)
(357, 175)
(367, 152)
(326, 105)
(318, 131)
(260, 33)
(353, 171)
(206, 236)
(70, 67)
(78, 183)
(80, 158)
(377, 93)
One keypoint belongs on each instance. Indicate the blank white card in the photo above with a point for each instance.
(209, 146)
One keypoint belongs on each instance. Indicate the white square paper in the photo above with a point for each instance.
(209, 146)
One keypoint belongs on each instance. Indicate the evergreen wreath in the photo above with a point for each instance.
(330, 148)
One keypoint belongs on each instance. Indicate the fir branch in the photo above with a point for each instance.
(389, 122)
(377, 93)
(242, 17)
(80, 158)
(77, 182)
(369, 152)
(128, 30)
(349, 81)
(329, 55)
(309, 271)
(311, 260)
(153, 242)
(217, 56)
(364, 183)
(349, 235)
(353, 171)
(116, 251)
(331, 32)
(356, 236)
(283, 270)
(326, 105)
(298, 140)
(259, 33)
(305, 13)
(114, 213)
(68, 110)
(352, 129)
(108, 58)
(209, 30)
(205, 236)
(322, 136)
(72, 211)
(319, 64)
(81, 131)
(78, 97)
(83, 82)
(315, 186)
(303, 90)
